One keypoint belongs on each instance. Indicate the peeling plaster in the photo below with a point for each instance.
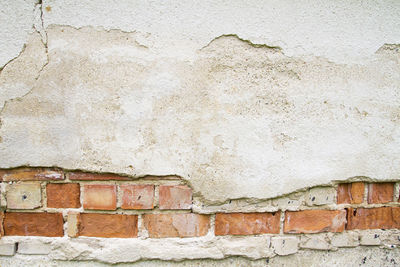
(237, 120)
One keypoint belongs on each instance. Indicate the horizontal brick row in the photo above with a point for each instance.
(192, 225)
(97, 196)
(104, 197)
(353, 193)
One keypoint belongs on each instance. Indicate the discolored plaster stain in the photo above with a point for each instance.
(48, 8)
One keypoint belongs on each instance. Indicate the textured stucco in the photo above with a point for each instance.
(143, 87)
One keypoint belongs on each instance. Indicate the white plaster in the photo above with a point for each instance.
(16, 22)
(341, 31)
(237, 121)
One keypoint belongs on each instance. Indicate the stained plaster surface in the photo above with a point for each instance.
(243, 99)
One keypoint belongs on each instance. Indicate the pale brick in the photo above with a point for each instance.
(100, 197)
(317, 242)
(34, 248)
(73, 218)
(320, 196)
(370, 239)
(285, 245)
(349, 239)
(24, 196)
(7, 249)
(175, 197)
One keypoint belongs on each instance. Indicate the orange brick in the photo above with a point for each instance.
(100, 197)
(352, 193)
(175, 197)
(380, 192)
(33, 224)
(247, 223)
(107, 225)
(1, 224)
(31, 174)
(137, 196)
(314, 221)
(63, 195)
(88, 176)
(375, 218)
(176, 225)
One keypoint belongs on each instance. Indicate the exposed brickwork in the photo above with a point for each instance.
(63, 195)
(374, 218)
(31, 174)
(314, 221)
(87, 176)
(22, 189)
(100, 197)
(246, 223)
(176, 225)
(107, 225)
(380, 192)
(33, 224)
(175, 197)
(137, 196)
(352, 193)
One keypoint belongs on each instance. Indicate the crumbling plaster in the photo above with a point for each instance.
(243, 99)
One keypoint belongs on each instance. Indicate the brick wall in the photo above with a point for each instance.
(55, 203)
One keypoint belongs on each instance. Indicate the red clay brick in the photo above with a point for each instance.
(100, 197)
(314, 221)
(380, 192)
(31, 174)
(176, 225)
(137, 196)
(107, 225)
(33, 224)
(352, 193)
(1, 224)
(175, 197)
(247, 223)
(374, 218)
(63, 195)
(88, 176)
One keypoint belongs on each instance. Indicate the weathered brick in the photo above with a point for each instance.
(317, 242)
(320, 196)
(88, 176)
(374, 218)
(176, 225)
(246, 223)
(72, 227)
(33, 224)
(137, 196)
(7, 249)
(380, 192)
(1, 224)
(24, 196)
(100, 197)
(63, 195)
(107, 225)
(314, 221)
(32, 174)
(345, 239)
(175, 197)
(34, 248)
(285, 245)
(352, 193)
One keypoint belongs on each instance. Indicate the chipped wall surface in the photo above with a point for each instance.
(242, 99)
